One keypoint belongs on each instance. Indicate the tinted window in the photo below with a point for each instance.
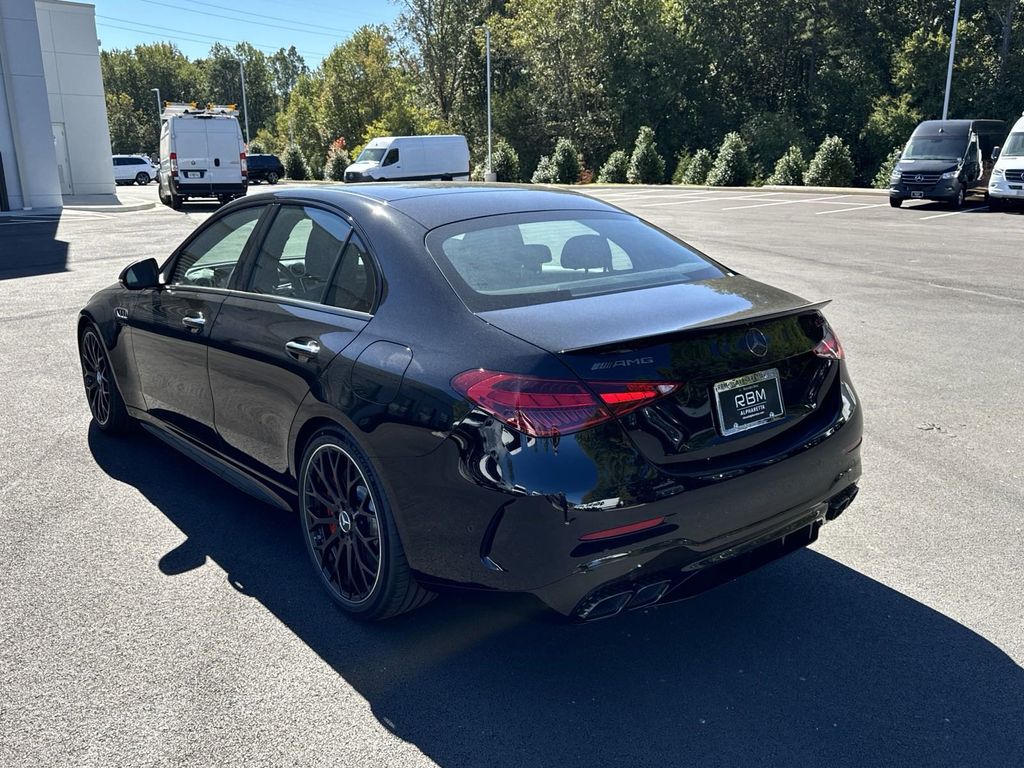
(520, 259)
(1014, 145)
(118, 161)
(300, 253)
(354, 284)
(391, 157)
(935, 148)
(370, 155)
(211, 257)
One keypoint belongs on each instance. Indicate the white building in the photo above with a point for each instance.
(54, 140)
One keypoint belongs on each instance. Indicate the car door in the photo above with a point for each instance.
(170, 325)
(308, 294)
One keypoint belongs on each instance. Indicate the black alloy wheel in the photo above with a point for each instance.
(272, 178)
(105, 402)
(349, 533)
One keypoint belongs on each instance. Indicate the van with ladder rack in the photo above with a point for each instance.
(202, 154)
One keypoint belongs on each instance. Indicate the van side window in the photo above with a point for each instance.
(355, 284)
(392, 157)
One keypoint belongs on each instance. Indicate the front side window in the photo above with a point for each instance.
(391, 157)
(521, 259)
(210, 258)
(1014, 146)
(300, 253)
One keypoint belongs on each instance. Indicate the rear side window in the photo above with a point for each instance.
(521, 259)
(210, 258)
(300, 253)
(354, 285)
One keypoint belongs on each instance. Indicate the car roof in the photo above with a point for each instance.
(433, 204)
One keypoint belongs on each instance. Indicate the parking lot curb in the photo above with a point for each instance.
(767, 188)
(124, 208)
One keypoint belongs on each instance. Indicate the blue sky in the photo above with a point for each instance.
(312, 26)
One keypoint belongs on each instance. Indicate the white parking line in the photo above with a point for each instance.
(785, 202)
(954, 213)
(713, 199)
(860, 207)
(639, 196)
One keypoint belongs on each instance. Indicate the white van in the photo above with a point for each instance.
(412, 158)
(201, 154)
(1007, 181)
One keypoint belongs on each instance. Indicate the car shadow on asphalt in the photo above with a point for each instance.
(804, 663)
(29, 246)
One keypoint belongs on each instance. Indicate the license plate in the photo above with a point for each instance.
(749, 401)
(193, 174)
(917, 194)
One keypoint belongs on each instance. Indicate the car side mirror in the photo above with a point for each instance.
(995, 152)
(140, 275)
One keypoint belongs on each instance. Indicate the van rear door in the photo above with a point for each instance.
(224, 143)
(189, 143)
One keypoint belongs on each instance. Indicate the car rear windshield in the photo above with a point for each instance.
(532, 258)
(935, 148)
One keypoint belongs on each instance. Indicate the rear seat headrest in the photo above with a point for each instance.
(587, 252)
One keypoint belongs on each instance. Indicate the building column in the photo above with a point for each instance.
(31, 173)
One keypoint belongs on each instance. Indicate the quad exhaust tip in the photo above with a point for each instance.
(606, 606)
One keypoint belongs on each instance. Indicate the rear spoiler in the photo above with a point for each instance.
(740, 318)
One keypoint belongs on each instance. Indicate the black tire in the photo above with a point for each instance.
(142, 178)
(272, 178)
(959, 198)
(101, 392)
(338, 488)
(895, 202)
(995, 204)
(176, 201)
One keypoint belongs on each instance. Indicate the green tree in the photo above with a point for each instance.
(831, 165)
(295, 166)
(699, 168)
(545, 173)
(615, 168)
(128, 129)
(790, 168)
(732, 165)
(337, 161)
(883, 178)
(646, 166)
(286, 67)
(682, 163)
(565, 162)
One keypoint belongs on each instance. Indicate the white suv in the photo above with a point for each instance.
(134, 169)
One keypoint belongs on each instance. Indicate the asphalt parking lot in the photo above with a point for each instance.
(152, 615)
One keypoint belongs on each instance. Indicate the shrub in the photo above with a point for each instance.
(295, 167)
(337, 161)
(504, 163)
(545, 173)
(732, 165)
(646, 166)
(615, 168)
(699, 168)
(682, 164)
(566, 162)
(768, 135)
(882, 178)
(790, 168)
(831, 165)
(255, 147)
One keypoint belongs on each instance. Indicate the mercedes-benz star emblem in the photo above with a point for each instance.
(757, 342)
(919, 177)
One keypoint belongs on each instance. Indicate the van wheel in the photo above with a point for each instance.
(271, 178)
(895, 202)
(958, 201)
(994, 203)
(176, 201)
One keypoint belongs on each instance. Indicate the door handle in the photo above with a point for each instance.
(194, 323)
(303, 349)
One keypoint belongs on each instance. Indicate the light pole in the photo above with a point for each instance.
(490, 175)
(952, 51)
(245, 105)
(159, 103)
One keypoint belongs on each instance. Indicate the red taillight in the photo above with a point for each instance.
(244, 163)
(174, 164)
(623, 530)
(829, 346)
(548, 407)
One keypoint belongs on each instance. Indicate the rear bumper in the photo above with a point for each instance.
(202, 189)
(492, 509)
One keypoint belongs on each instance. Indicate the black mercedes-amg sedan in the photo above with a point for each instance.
(488, 387)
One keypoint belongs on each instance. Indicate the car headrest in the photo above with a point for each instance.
(321, 251)
(586, 252)
(532, 256)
